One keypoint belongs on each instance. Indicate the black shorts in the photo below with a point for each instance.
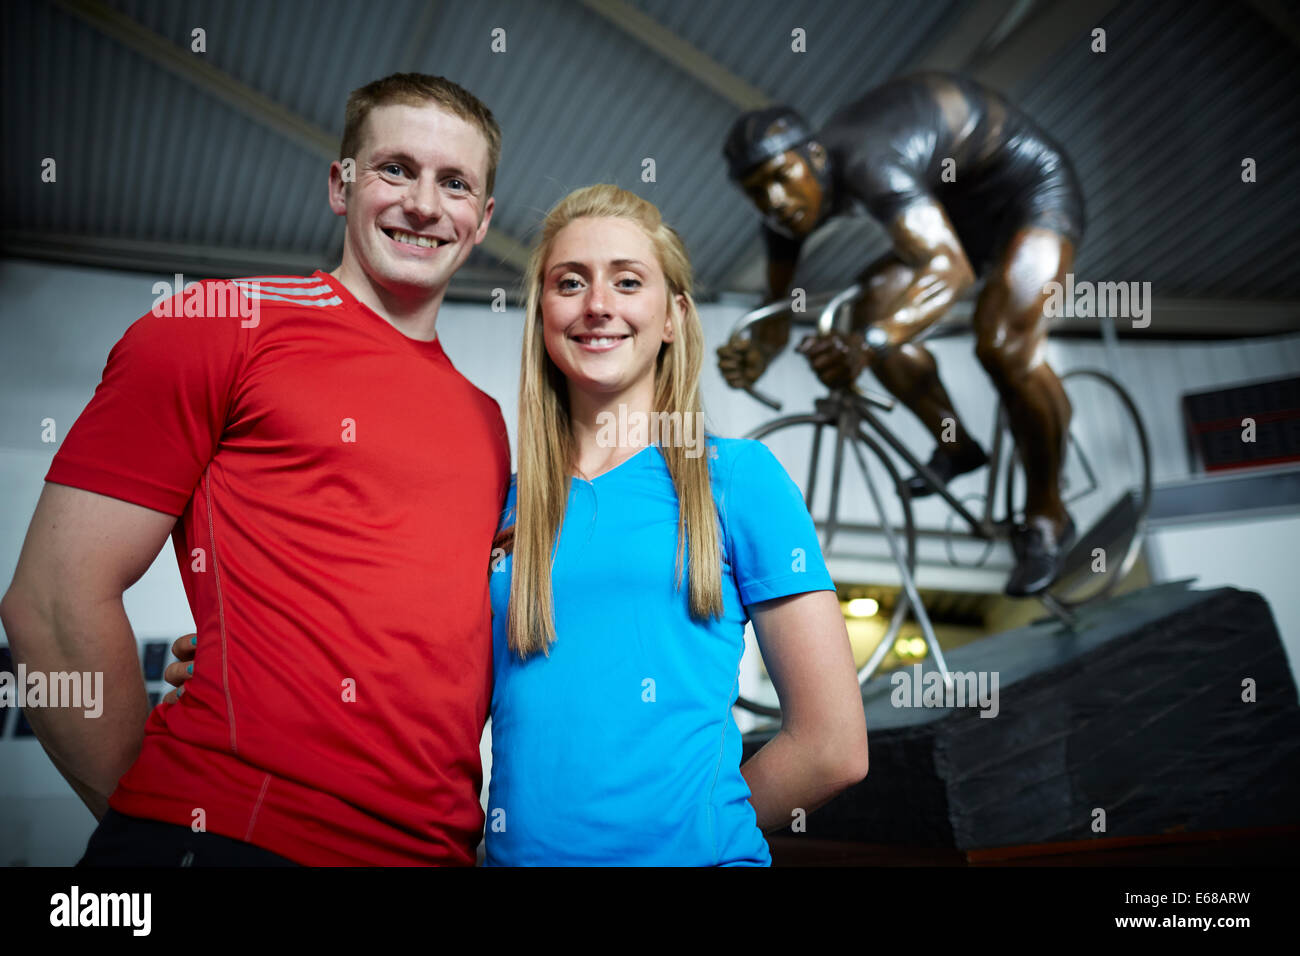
(1037, 186)
(120, 840)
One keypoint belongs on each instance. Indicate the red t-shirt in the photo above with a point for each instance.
(338, 486)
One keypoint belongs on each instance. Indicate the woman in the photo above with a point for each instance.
(625, 573)
(612, 734)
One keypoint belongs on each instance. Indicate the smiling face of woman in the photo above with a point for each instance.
(605, 309)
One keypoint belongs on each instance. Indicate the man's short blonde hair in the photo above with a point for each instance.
(418, 89)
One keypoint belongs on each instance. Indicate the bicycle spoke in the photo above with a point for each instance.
(812, 466)
(902, 547)
(1087, 468)
(909, 585)
(886, 639)
(1131, 493)
(832, 519)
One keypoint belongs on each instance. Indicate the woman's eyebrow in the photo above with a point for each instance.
(583, 267)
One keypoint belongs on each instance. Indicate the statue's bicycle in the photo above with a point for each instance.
(1105, 483)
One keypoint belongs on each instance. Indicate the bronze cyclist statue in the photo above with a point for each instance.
(968, 187)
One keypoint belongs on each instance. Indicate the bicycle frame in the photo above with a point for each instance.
(850, 408)
(827, 412)
(849, 411)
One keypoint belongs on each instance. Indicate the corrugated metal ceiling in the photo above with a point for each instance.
(1157, 126)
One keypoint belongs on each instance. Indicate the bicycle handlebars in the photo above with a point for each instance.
(825, 322)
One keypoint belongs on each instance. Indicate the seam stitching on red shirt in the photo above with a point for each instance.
(235, 380)
(221, 610)
(252, 821)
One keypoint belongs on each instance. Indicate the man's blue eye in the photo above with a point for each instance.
(393, 168)
(457, 184)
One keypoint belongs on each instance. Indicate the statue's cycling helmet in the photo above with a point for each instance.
(759, 135)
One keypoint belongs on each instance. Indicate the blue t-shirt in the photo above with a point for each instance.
(620, 747)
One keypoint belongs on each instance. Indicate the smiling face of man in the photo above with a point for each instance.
(419, 204)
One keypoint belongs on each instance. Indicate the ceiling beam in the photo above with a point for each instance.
(241, 97)
(144, 255)
(1170, 317)
(195, 261)
(690, 60)
(1039, 38)
(979, 25)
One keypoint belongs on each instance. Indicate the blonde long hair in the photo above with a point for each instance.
(546, 447)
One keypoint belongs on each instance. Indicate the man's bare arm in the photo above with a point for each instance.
(925, 241)
(905, 293)
(63, 612)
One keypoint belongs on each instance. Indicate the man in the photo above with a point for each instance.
(967, 187)
(332, 486)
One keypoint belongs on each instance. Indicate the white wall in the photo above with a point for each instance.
(58, 323)
(1259, 554)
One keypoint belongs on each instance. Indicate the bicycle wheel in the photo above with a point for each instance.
(1105, 484)
(813, 457)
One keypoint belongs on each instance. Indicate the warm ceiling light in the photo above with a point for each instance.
(863, 607)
